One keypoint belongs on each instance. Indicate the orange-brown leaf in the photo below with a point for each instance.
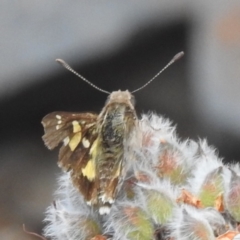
(99, 237)
(229, 235)
(219, 203)
(142, 177)
(168, 162)
(188, 198)
(131, 213)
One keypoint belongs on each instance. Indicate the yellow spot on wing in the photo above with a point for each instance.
(58, 117)
(93, 150)
(89, 170)
(76, 126)
(75, 140)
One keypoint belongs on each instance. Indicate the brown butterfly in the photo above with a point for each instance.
(94, 145)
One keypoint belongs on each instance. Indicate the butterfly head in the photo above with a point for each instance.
(119, 97)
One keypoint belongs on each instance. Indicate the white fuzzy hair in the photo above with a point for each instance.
(188, 222)
(69, 217)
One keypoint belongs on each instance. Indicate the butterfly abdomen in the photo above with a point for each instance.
(109, 163)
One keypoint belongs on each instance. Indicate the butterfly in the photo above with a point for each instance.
(93, 145)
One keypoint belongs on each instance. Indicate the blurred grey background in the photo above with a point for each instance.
(116, 45)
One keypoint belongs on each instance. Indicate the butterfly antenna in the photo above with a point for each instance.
(64, 64)
(174, 59)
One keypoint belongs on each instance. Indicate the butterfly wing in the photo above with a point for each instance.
(78, 132)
